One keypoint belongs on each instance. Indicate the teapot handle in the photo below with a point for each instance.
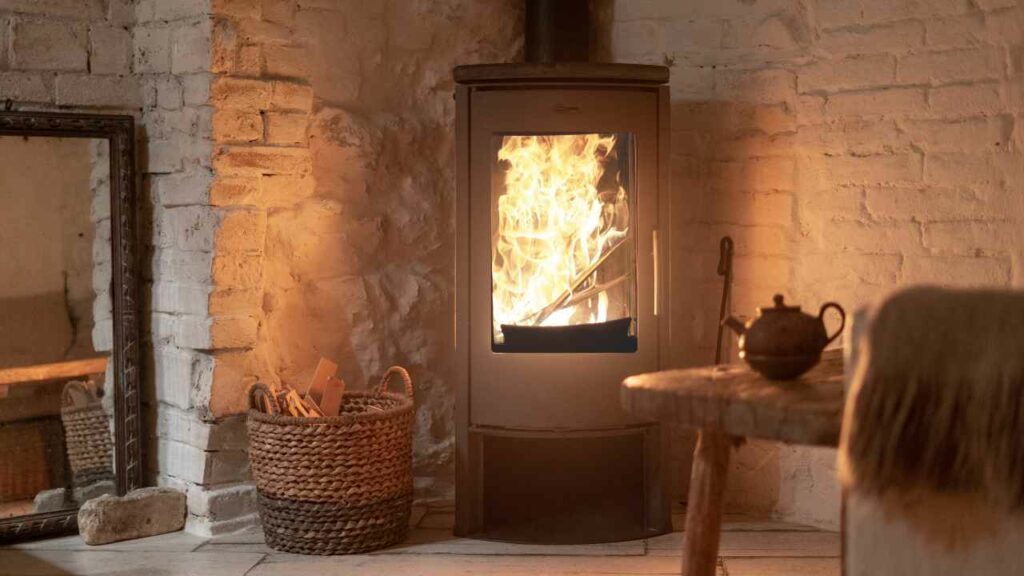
(842, 319)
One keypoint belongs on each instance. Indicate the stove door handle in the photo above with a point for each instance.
(657, 272)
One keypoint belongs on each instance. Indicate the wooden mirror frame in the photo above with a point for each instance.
(119, 132)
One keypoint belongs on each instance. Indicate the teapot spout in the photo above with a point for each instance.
(736, 326)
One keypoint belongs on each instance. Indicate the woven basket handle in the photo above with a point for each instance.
(389, 375)
(71, 388)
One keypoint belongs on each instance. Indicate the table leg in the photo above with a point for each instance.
(704, 506)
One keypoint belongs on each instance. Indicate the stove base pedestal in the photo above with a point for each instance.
(558, 487)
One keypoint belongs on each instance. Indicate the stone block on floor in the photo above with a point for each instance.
(141, 513)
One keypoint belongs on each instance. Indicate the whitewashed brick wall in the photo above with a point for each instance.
(849, 147)
(151, 59)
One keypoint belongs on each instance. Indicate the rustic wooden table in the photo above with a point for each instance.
(725, 403)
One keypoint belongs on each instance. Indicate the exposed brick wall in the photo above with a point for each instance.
(151, 59)
(68, 53)
(334, 131)
(296, 199)
(849, 147)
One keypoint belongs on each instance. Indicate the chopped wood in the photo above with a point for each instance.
(330, 403)
(325, 370)
(312, 410)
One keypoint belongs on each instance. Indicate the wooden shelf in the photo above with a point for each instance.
(55, 371)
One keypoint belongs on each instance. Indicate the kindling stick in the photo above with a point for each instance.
(548, 310)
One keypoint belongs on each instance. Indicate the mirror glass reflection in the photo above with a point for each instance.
(56, 332)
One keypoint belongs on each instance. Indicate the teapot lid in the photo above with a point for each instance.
(780, 306)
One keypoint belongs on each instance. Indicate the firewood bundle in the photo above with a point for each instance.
(322, 397)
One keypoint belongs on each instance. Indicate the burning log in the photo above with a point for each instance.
(562, 300)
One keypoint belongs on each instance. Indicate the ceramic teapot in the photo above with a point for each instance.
(783, 342)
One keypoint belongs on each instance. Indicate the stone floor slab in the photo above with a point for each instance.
(428, 541)
(763, 543)
(457, 565)
(782, 566)
(173, 542)
(109, 563)
(766, 549)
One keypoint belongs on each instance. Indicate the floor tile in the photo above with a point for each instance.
(428, 541)
(173, 542)
(248, 536)
(744, 523)
(456, 565)
(123, 563)
(756, 544)
(782, 566)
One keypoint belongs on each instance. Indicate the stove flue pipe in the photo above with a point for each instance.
(557, 31)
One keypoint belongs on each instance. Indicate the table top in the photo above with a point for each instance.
(735, 400)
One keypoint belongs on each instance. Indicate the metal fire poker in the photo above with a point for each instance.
(724, 270)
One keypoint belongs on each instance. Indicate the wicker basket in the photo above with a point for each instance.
(87, 434)
(31, 458)
(338, 485)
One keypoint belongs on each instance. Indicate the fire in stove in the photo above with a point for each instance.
(563, 259)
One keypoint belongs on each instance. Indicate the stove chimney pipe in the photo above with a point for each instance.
(557, 31)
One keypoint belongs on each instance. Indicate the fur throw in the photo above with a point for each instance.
(937, 398)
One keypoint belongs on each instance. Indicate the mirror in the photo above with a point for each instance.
(68, 339)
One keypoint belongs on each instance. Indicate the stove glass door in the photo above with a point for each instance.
(563, 255)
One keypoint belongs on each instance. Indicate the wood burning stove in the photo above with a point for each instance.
(562, 197)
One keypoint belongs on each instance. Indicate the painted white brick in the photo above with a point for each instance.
(190, 51)
(169, 93)
(172, 375)
(49, 45)
(97, 91)
(951, 66)
(152, 49)
(896, 37)
(103, 336)
(198, 466)
(193, 227)
(76, 9)
(203, 526)
(110, 50)
(957, 271)
(181, 298)
(196, 89)
(183, 189)
(172, 265)
(856, 72)
(26, 87)
(219, 503)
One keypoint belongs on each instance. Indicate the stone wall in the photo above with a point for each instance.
(848, 147)
(150, 59)
(295, 202)
(334, 136)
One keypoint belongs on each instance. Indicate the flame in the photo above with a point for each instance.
(554, 222)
